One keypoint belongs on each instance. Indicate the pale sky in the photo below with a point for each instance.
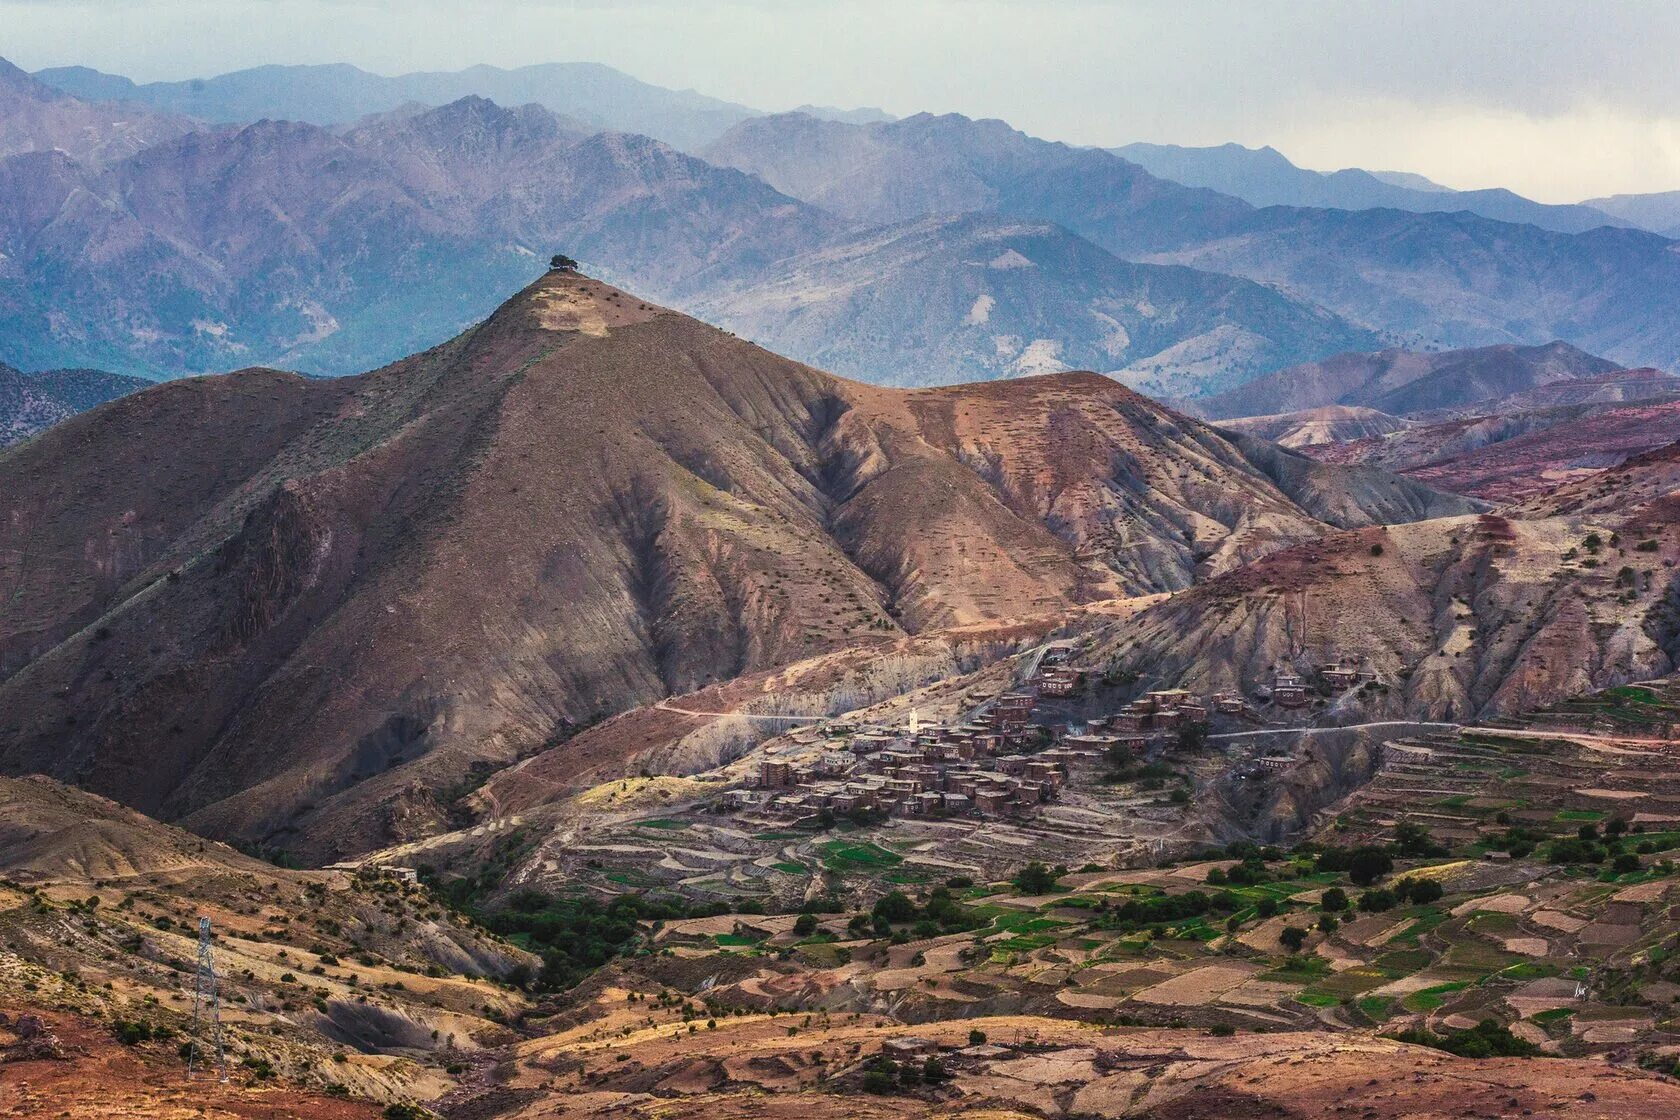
(1558, 101)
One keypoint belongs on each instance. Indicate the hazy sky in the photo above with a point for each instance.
(1559, 101)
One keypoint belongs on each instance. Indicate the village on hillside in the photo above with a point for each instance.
(1016, 751)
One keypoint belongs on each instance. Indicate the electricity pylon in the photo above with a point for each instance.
(207, 1009)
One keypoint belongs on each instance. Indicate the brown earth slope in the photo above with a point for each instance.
(1314, 427)
(289, 611)
(1505, 454)
(1457, 617)
(99, 910)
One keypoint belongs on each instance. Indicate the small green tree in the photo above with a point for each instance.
(894, 906)
(1369, 864)
(1035, 878)
(1333, 901)
(1292, 938)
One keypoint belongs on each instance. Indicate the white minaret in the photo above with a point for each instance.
(915, 722)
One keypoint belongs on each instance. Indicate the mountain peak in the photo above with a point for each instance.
(19, 81)
(567, 301)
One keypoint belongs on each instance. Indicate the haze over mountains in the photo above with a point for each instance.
(1266, 177)
(979, 297)
(335, 95)
(334, 247)
(1659, 212)
(35, 118)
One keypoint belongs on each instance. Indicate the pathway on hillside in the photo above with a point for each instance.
(667, 706)
(1421, 724)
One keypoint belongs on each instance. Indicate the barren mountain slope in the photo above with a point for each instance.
(975, 297)
(99, 912)
(1458, 616)
(1557, 446)
(1643, 489)
(37, 118)
(1508, 447)
(1331, 424)
(1602, 390)
(1401, 382)
(580, 506)
(294, 245)
(31, 402)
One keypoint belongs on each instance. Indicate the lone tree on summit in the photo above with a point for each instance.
(560, 262)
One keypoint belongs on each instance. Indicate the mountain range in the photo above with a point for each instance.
(167, 246)
(35, 118)
(582, 505)
(587, 505)
(340, 94)
(1659, 212)
(296, 245)
(1500, 423)
(1266, 177)
(1427, 280)
(978, 296)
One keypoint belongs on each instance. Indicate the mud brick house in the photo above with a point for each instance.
(1289, 691)
(1339, 676)
(1059, 681)
(1012, 710)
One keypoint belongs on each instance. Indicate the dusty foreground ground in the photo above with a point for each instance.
(797, 1067)
(90, 1075)
(770, 1067)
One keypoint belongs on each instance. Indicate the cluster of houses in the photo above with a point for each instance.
(1290, 690)
(1000, 763)
(1142, 721)
(996, 765)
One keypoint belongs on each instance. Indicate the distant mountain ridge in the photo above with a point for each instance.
(36, 117)
(1266, 177)
(298, 246)
(1402, 382)
(1659, 211)
(294, 245)
(1423, 280)
(978, 297)
(339, 94)
(928, 165)
(334, 248)
(32, 402)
